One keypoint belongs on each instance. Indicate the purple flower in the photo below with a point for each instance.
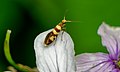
(102, 62)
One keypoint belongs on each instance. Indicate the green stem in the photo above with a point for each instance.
(7, 52)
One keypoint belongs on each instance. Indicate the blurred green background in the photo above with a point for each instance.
(28, 18)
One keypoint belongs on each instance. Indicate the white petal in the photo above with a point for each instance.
(58, 56)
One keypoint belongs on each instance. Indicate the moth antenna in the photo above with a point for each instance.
(72, 21)
(65, 14)
(68, 21)
(65, 17)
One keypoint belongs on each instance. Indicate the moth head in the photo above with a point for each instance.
(64, 20)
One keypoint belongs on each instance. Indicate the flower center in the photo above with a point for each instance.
(117, 63)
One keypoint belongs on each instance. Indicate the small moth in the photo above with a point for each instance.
(51, 36)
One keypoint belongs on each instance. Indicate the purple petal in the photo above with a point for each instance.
(58, 56)
(111, 39)
(115, 70)
(94, 62)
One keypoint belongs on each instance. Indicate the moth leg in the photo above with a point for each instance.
(63, 30)
(63, 25)
(62, 35)
(55, 40)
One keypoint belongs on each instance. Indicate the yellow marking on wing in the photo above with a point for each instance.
(54, 32)
(52, 38)
(58, 27)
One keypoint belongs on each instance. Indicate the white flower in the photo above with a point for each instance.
(56, 57)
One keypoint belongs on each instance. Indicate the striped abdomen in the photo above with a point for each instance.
(53, 34)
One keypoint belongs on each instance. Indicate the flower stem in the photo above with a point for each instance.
(7, 52)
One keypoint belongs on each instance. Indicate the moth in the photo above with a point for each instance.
(51, 36)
